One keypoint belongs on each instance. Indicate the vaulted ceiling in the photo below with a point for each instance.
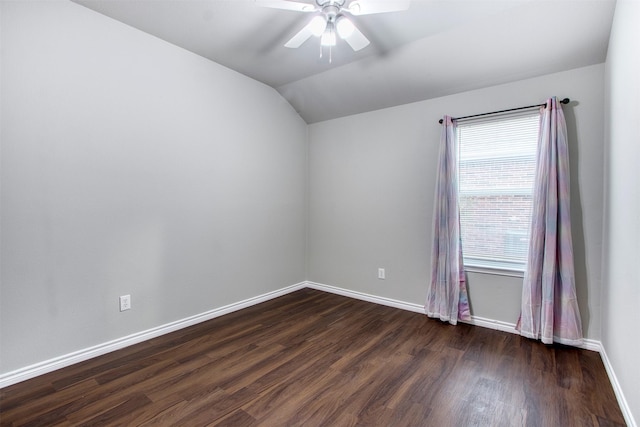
(435, 48)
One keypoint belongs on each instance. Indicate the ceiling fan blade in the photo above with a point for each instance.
(301, 37)
(287, 5)
(357, 40)
(368, 7)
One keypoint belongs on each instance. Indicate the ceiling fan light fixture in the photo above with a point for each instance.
(345, 27)
(329, 36)
(330, 19)
(318, 25)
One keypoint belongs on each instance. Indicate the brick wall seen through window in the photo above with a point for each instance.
(497, 162)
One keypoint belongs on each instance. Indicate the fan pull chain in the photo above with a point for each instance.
(330, 54)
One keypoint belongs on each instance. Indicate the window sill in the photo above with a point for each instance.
(493, 270)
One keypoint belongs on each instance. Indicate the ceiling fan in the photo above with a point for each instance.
(331, 18)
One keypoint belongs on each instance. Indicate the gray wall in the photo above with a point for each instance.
(131, 166)
(621, 289)
(371, 187)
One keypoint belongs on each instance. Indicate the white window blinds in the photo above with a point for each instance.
(496, 176)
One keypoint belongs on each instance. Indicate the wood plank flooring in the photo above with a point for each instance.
(316, 359)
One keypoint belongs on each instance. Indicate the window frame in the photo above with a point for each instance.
(495, 266)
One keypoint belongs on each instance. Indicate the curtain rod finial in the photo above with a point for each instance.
(565, 101)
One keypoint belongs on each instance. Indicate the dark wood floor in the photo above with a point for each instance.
(311, 358)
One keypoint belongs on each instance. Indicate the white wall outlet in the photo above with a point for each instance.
(125, 302)
(381, 274)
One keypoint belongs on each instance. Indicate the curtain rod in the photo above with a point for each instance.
(564, 101)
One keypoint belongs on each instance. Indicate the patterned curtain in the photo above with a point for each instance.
(447, 295)
(549, 309)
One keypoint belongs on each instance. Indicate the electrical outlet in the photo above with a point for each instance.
(125, 302)
(381, 274)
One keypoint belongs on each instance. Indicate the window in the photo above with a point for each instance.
(496, 177)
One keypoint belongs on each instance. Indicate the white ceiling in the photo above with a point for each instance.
(435, 48)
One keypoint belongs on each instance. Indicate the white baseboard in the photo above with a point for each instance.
(367, 297)
(104, 348)
(622, 401)
(50, 365)
(498, 325)
(587, 344)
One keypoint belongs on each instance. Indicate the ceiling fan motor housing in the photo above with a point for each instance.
(330, 8)
(332, 19)
(338, 3)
